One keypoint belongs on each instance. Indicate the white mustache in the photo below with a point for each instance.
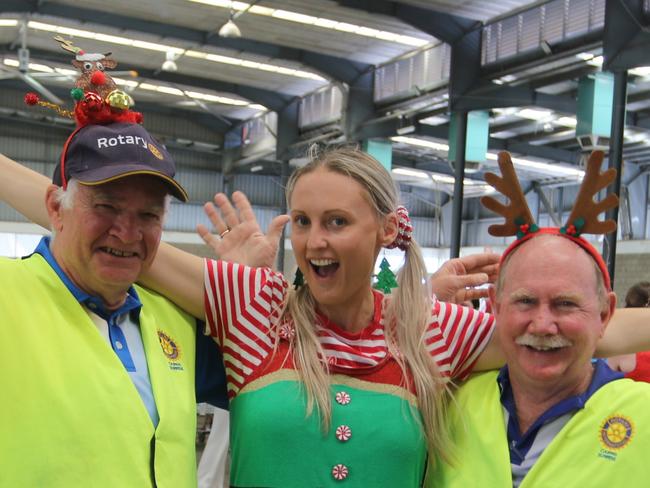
(543, 342)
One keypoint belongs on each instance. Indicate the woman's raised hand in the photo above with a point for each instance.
(461, 279)
(238, 237)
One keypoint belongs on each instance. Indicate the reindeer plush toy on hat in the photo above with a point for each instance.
(98, 100)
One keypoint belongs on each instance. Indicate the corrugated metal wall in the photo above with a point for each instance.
(552, 22)
(30, 147)
(321, 107)
(423, 70)
(183, 217)
(262, 190)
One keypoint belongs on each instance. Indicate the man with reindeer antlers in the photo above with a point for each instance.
(552, 416)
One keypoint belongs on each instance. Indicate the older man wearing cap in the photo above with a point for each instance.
(99, 374)
(552, 416)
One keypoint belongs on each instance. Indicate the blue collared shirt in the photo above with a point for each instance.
(123, 330)
(527, 447)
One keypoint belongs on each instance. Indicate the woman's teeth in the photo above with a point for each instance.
(324, 267)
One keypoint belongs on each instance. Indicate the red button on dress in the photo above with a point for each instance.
(343, 433)
(343, 398)
(340, 472)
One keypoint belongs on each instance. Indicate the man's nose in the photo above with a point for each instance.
(126, 227)
(544, 321)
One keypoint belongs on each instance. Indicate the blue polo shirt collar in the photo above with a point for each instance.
(132, 303)
(521, 443)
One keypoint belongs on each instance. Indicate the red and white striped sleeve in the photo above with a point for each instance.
(456, 337)
(241, 303)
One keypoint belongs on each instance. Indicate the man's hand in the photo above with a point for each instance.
(242, 240)
(457, 279)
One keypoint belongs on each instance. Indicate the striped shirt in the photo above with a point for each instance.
(243, 307)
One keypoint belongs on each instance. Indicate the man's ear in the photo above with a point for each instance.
(54, 208)
(390, 229)
(607, 312)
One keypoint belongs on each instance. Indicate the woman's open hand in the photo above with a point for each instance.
(239, 238)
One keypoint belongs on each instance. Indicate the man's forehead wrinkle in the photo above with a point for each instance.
(560, 294)
(117, 195)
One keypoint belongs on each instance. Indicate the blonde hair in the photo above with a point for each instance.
(406, 316)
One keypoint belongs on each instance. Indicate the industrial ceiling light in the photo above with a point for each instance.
(230, 29)
(170, 62)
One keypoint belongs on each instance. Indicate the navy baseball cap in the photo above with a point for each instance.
(97, 154)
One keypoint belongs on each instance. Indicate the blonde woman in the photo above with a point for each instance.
(332, 381)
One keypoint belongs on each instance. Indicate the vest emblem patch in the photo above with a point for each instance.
(615, 433)
(171, 350)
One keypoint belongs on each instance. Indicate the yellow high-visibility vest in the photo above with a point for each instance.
(70, 416)
(605, 444)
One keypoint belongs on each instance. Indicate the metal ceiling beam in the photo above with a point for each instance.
(337, 68)
(626, 39)
(536, 151)
(388, 128)
(465, 72)
(443, 26)
(553, 137)
(272, 100)
(360, 107)
(513, 125)
(380, 128)
(544, 152)
(641, 120)
(537, 133)
(498, 96)
(573, 72)
(288, 131)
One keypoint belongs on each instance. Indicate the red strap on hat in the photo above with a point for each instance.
(64, 181)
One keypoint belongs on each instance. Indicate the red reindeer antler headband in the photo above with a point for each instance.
(583, 218)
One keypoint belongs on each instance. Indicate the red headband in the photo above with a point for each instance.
(554, 231)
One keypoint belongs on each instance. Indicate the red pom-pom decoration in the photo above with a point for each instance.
(101, 113)
(31, 98)
(98, 78)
